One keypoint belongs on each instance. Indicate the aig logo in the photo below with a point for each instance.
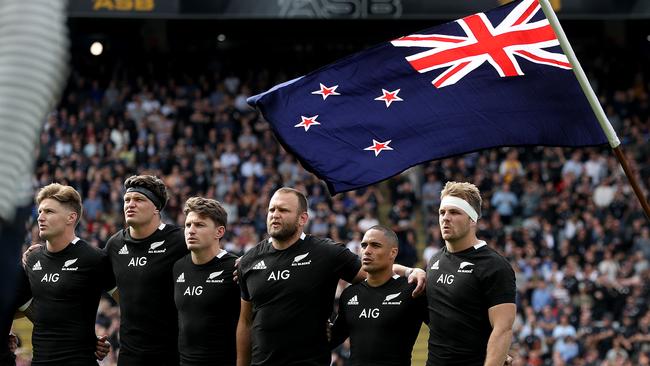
(50, 277)
(370, 313)
(279, 275)
(193, 291)
(446, 279)
(137, 262)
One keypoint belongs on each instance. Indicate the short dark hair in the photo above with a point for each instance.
(151, 183)
(388, 233)
(206, 207)
(302, 199)
(65, 195)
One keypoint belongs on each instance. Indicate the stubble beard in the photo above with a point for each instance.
(285, 232)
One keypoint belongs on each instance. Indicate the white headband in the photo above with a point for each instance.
(462, 204)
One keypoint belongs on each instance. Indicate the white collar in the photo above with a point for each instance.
(221, 253)
(480, 244)
(302, 237)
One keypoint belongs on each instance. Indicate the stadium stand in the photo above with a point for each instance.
(566, 218)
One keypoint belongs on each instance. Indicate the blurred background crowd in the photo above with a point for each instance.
(565, 218)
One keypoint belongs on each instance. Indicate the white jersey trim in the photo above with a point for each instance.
(26, 305)
(75, 240)
(480, 244)
(162, 226)
(302, 237)
(221, 253)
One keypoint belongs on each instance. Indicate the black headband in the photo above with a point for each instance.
(157, 201)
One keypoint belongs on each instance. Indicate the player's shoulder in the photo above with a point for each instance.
(170, 238)
(37, 254)
(400, 282)
(488, 261)
(87, 250)
(170, 229)
(488, 254)
(229, 258)
(182, 263)
(317, 240)
(323, 245)
(116, 240)
(352, 290)
(169, 232)
(255, 253)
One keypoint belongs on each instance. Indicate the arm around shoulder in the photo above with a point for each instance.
(244, 333)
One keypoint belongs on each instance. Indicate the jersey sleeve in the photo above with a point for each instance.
(23, 291)
(420, 303)
(499, 283)
(245, 295)
(346, 263)
(340, 330)
(107, 277)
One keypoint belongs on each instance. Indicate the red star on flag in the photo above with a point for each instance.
(326, 91)
(389, 97)
(378, 147)
(307, 122)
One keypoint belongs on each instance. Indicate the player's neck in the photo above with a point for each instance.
(284, 244)
(60, 242)
(461, 244)
(379, 278)
(144, 231)
(204, 255)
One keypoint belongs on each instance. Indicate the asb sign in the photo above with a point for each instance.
(122, 7)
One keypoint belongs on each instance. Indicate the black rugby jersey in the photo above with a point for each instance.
(208, 302)
(382, 322)
(66, 287)
(461, 287)
(292, 295)
(143, 273)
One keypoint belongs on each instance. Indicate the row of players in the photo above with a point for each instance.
(181, 302)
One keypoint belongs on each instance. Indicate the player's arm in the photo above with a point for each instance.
(244, 333)
(25, 310)
(115, 293)
(23, 300)
(29, 251)
(413, 274)
(102, 347)
(502, 317)
(361, 276)
(339, 330)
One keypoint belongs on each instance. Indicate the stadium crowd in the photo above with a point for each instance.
(565, 218)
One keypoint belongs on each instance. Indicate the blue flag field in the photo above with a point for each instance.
(490, 79)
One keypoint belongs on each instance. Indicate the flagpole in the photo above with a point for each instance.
(614, 142)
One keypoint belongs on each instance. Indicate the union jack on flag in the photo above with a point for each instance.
(516, 35)
(499, 79)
